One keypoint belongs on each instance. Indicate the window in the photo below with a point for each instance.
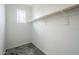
(21, 16)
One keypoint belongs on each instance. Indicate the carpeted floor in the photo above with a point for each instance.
(27, 49)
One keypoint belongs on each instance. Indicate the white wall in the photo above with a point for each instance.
(2, 27)
(40, 10)
(17, 34)
(53, 36)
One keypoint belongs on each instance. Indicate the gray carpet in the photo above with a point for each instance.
(27, 49)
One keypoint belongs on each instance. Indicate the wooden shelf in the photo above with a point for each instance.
(47, 15)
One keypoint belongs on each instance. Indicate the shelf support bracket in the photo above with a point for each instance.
(66, 17)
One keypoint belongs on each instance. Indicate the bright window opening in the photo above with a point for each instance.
(21, 16)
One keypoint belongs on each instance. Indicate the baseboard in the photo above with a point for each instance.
(2, 52)
(17, 46)
(40, 49)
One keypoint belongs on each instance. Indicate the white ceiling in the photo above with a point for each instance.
(31, 5)
(34, 5)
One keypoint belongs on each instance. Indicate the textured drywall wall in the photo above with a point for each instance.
(2, 27)
(57, 34)
(17, 33)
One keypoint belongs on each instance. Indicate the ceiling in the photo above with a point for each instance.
(35, 5)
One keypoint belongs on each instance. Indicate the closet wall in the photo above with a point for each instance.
(2, 28)
(17, 33)
(57, 34)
